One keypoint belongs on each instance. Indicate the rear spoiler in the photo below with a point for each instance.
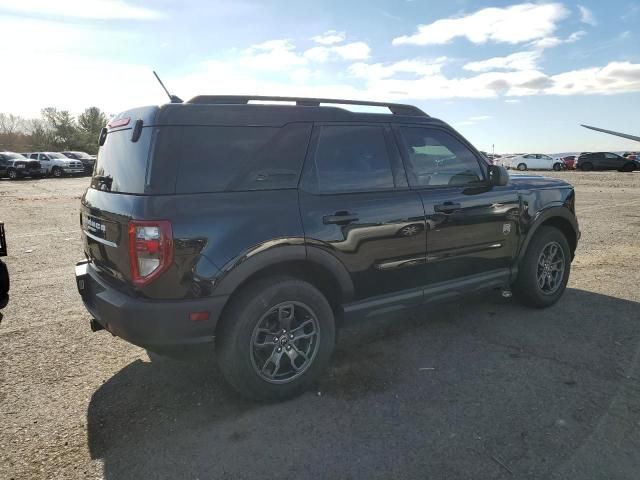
(3, 241)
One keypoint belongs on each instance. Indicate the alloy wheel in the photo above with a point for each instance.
(284, 342)
(550, 269)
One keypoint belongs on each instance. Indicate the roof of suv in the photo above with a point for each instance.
(236, 110)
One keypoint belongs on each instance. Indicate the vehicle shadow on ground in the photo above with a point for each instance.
(482, 387)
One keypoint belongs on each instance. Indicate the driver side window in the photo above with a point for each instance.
(438, 159)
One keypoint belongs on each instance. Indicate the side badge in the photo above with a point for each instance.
(506, 228)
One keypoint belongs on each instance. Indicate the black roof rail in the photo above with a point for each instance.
(395, 108)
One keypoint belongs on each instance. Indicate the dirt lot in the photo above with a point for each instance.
(477, 389)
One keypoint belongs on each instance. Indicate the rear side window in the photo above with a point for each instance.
(226, 159)
(122, 164)
(350, 159)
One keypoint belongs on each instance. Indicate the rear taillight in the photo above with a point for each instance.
(150, 249)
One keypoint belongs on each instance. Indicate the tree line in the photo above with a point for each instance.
(55, 130)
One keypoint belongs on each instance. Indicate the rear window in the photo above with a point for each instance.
(122, 164)
(225, 159)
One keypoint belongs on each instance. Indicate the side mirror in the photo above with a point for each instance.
(498, 176)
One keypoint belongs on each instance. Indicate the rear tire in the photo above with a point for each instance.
(257, 365)
(522, 167)
(586, 167)
(539, 283)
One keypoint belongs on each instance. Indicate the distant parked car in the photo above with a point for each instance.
(606, 161)
(57, 164)
(15, 166)
(87, 160)
(535, 161)
(631, 155)
(569, 162)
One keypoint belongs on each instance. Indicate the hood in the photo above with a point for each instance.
(537, 181)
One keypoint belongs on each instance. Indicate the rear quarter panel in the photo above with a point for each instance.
(213, 232)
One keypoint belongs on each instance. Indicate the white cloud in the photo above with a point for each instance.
(329, 37)
(272, 55)
(512, 100)
(349, 51)
(380, 70)
(480, 118)
(353, 51)
(527, 60)
(91, 9)
(515, 61)
(586, 16)
(575, 36)
(514, 24)
(550, 42)
(615, 77)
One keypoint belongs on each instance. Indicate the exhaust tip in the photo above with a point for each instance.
(95, 326)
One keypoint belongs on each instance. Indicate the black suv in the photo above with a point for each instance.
(261, 228)
(606, 161)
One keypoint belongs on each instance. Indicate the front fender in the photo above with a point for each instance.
(556, 211)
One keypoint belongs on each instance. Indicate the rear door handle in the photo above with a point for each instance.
(340, 218)
(447, 207)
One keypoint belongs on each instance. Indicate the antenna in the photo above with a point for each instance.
(173, 98)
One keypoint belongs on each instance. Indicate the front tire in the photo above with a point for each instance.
(57, 172)
(557, 167)
(275, 338)
(544, 270)
(522, 167)
(13, 174)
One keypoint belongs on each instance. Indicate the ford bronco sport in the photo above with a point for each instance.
(257, 229)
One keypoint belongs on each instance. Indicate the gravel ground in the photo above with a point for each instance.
(481, 388)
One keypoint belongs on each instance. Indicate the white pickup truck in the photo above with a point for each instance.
(57, 164)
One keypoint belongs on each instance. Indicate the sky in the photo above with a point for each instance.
(509, 76)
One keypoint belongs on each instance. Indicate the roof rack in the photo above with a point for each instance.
(395, 108)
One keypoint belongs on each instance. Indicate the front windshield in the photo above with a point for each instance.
(56, 155)
(81, 155)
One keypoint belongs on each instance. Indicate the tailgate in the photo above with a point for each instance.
(104, 220)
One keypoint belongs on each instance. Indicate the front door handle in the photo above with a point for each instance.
(447, 207)
(340, 218)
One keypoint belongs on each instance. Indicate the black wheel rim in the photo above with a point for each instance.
(284, 342)
(56, 173)
(551, 265)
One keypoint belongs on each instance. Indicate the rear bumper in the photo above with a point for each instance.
(154, 324)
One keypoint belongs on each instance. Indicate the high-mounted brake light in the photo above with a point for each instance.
(150, 249)
(120, 122)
